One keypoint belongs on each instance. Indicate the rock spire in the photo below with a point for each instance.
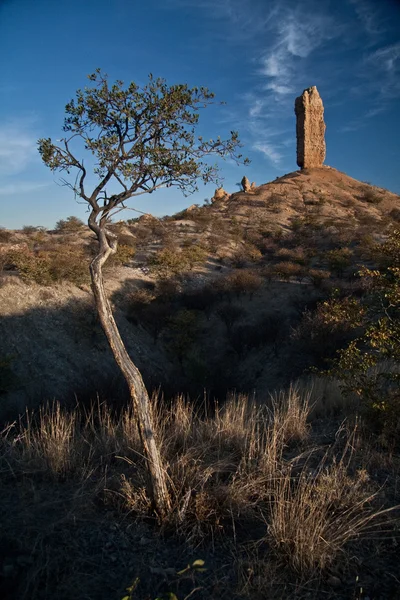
(310, 129)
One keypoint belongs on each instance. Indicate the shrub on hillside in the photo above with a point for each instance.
(243, 282)
(123, 256)
(395, 214)
(67, 263)
(318, 277)
(5, 236)
(174, 261)
(338, 260)
(245, 254)
(287, 270)
(369, 366)
(371, 196)
(69, 225)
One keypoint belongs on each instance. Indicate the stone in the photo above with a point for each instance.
(220, 194)
(310, 129)
(246, 184)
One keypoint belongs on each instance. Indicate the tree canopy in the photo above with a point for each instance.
(142, 138)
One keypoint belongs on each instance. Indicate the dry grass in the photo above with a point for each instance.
(236, 463)
(313, 517)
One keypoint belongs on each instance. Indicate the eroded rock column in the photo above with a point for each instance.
(310, 129)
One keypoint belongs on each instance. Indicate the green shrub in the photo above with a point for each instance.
(67, 263)
(369, 366)
(123, 255)
(69, 225)
(338, 260)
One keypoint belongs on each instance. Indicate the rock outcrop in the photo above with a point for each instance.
(246, 185)
(220, 194)
(310, 129)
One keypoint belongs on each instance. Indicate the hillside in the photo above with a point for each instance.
(289, 242)
(235, 301)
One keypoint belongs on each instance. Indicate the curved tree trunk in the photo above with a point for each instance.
(137, 389)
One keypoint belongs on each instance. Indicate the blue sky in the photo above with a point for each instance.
(257, 55)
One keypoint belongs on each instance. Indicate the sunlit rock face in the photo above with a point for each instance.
(310, 129)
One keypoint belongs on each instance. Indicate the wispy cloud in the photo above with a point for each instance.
(17, 145)
(369, 16)
(26, 187)
(269, 151)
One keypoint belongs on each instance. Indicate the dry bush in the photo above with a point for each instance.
(243, 282)
(313, 516)
(371, 195)
(296, 255)
(289, 412)
(63, 263)
(225, 464)
(318, 277)
(287, 269)
(48, 444)
(325, 396)
(245, 254)
(5, 236)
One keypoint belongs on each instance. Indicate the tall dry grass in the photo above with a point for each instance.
(233, 463)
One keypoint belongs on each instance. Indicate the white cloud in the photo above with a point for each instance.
(21, 188)
(269, 151)
(17, 146)
(387, 58)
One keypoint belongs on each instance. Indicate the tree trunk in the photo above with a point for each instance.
(137, 389)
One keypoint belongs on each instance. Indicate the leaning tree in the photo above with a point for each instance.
(141, 139)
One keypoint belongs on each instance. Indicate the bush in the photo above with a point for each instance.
(371, 196)
(338, 260)
(5, 236)
(318, 276)
(69, 225)
(123, 255)
(243, 282)
(67, 263)
(370, 364)
(245, 254)
(172, 261)
(287, 269)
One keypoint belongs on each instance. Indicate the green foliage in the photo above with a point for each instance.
(370, 365)
(141, 137)
(122, 256)
(69, 225)
(174, 261)
(192, 569)
(338, 260)
(65, 263)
